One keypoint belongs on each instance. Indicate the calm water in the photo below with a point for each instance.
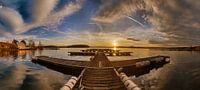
(17, 72)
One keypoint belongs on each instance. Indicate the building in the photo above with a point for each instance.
(15, 42)
(22, 45)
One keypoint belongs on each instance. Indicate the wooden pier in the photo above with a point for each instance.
(99, 73)
(107, 52)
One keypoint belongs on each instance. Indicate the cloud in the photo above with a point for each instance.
(167, 22)
(141, 34)
(53, 18)
(43, 14)
(42, 8)
(130, 36)
(113, 10)
(4, 33)
(11, 19)
(178, 19)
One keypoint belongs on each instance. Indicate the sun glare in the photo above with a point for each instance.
(115, 46)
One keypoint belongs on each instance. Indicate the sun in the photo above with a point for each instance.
(114, 44)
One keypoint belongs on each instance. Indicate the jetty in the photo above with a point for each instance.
(107, 52)
(101, 74)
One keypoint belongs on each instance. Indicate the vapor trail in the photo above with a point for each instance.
(135, 21)
(100, 27)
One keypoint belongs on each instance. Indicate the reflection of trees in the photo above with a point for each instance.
(40, 51)
(22, 53)
(31, 53)
(14, 54)
(8, 53)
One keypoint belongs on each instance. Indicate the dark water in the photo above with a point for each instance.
(17, 72)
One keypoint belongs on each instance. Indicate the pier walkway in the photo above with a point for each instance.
(99, 73)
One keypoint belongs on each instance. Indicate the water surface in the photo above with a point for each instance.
(17, 72)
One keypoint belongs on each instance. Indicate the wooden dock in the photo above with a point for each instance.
(100, 50)
(99, 73)
(101, 79)
(107, 52)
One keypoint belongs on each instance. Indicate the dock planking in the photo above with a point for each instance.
(100, 73)
(83, 64)
(107, 52)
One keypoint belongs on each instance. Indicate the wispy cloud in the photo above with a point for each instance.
(113, 10)
(11, 19)
(43, 14)
(172, 17)
(41, 9)
(53, 18)
(167, 22)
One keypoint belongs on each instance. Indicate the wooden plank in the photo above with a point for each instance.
(93, 53)
(99, 73)
(132, 62)
(100, 60)
(101, 79)
(66, 62)
(70, 67)
(140, 66)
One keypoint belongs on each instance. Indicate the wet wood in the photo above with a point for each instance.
(66, 62)
(99, 73)
(101, 79)
(92, 52)
(132, 62)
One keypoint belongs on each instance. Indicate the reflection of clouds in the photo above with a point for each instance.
(26, 77)
(182, 73)
(153, 80)
(14, 79)
(44, 80)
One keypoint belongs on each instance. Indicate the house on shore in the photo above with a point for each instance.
(22, 45)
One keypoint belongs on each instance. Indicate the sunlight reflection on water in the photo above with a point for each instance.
(17, 72)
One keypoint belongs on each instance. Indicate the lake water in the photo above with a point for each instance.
(17, 72)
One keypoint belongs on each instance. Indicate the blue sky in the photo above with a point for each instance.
(101, 22)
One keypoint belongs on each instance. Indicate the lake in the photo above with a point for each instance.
(17, 72)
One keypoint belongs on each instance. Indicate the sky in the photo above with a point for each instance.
(102, 22)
